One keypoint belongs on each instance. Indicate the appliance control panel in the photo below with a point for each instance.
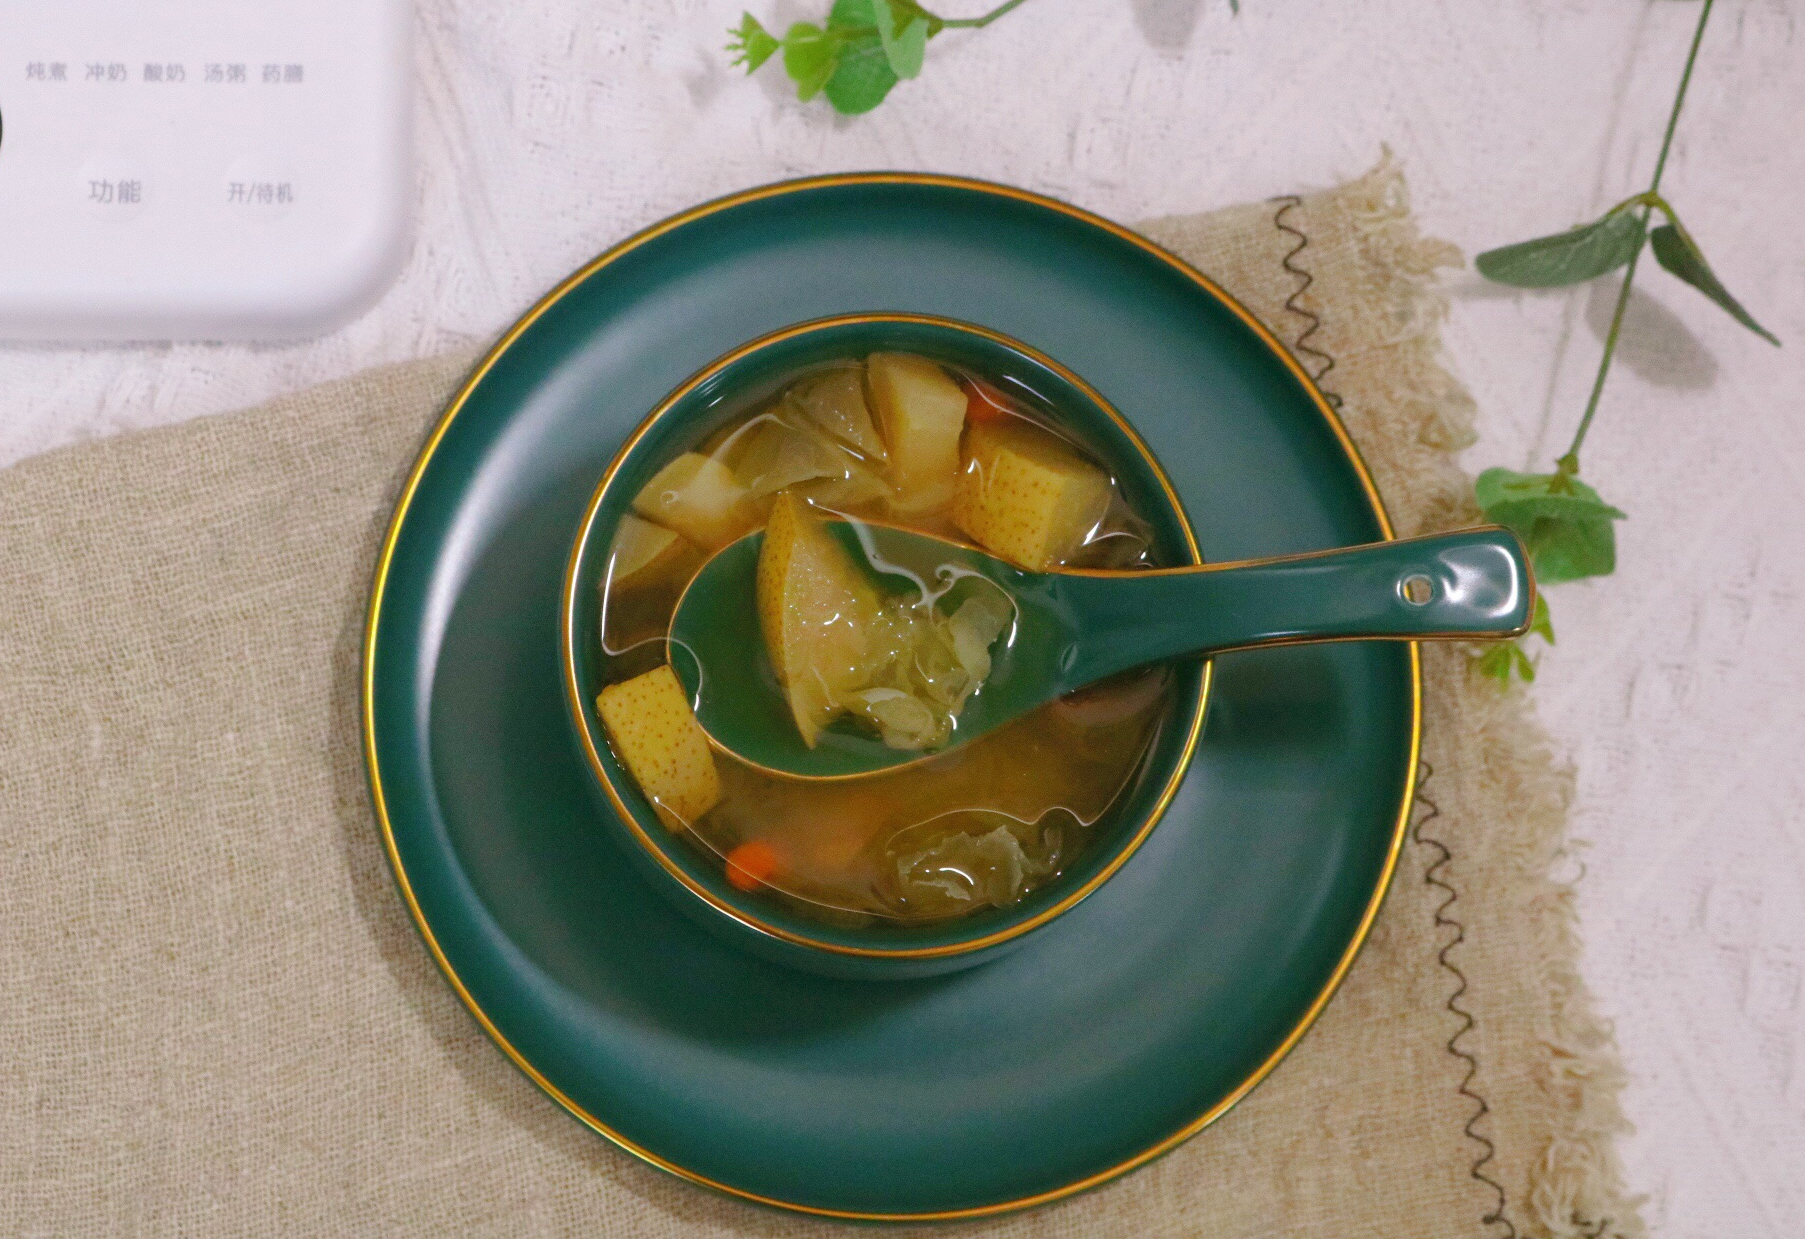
(201, 169)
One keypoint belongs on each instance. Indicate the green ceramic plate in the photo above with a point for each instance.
(1120, 1029)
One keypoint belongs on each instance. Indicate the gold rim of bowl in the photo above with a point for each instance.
(386, 558)
(576, 696)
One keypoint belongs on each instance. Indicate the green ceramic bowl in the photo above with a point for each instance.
(694, 880)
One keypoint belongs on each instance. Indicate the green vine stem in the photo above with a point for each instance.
(974, 23)
(1568, 465)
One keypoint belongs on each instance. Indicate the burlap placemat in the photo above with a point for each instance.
(216, 1019)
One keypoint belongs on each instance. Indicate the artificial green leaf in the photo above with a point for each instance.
(752, 43)
(1562, 521)
(904, 42)
(1570, 257)
(1572, 550)
(1541, 624)
(1570, 497)
(1503, 659)
(863, 78)
(1679, 253)
(853, 17)
(811, 56)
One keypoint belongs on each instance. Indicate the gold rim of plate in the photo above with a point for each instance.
(582, 274)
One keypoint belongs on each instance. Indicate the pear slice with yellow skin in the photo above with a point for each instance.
(663, 747)
(1026, 495)
(820, 615)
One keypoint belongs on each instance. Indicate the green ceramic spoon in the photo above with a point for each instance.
(1074, 628)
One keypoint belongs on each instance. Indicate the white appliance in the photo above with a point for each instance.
(201, 169)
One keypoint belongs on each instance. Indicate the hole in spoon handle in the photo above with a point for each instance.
(1417, 589)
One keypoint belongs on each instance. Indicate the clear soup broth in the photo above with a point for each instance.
(911, 442)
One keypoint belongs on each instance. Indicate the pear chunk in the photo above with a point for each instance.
(640, 549)
(921, 411)
(835, 401)
(820, 615)
(699, 497)
(657, 737)
(1027, 495)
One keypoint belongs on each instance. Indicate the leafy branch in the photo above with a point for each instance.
(862, 50)
(1567, 529)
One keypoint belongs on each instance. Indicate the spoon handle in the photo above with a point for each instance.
(1474, 583)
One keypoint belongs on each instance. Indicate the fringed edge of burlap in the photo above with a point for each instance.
(1575, 1185)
